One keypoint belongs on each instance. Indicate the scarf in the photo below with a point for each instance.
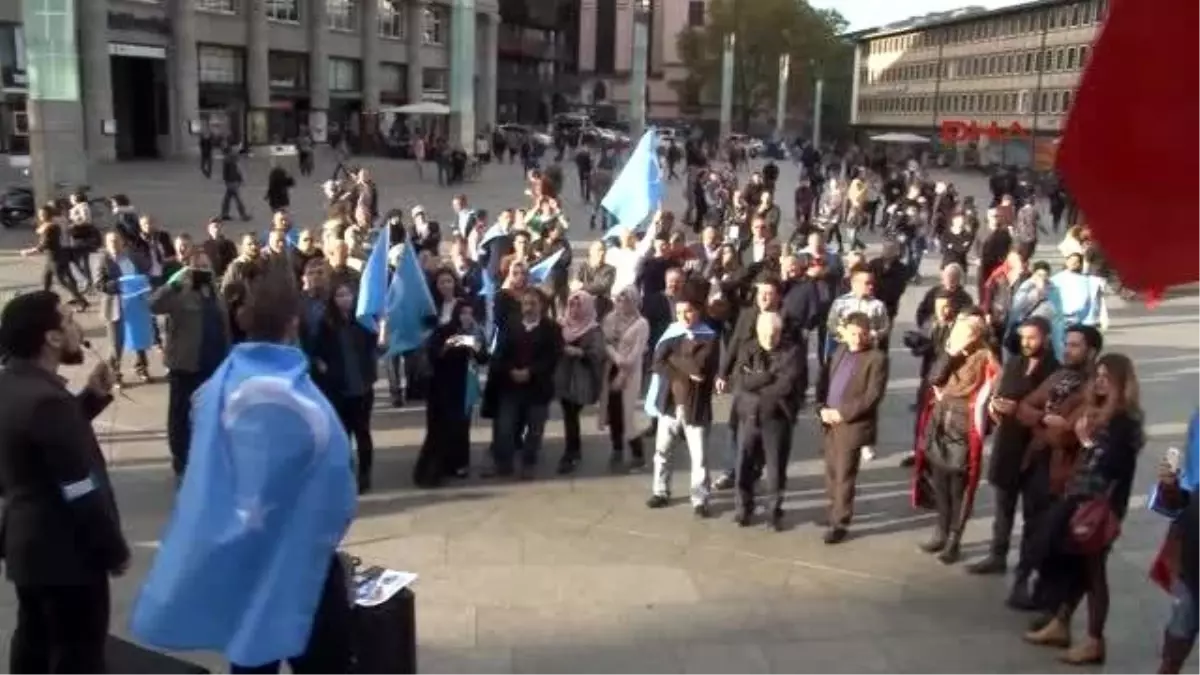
(619, 321)
(580, 316)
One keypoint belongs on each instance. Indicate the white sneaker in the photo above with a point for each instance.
(867, 453)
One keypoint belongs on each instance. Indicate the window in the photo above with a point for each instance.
(1056, 102)
(433, 26)
(1044, 104)
(1008, 64)
(991, 65)
(344, 75)
(393, 78)
(1066, 102)
(343, 15)
(1083, 54)
(219, 6)
(287, 70)
(1071, 56)
(1051, 20)
(1029, 62)
(220, 65)
(1075, 15)
(391, 19)
(283, 10)
(434, 80)
(696, 13)
(1059, 59)
(1101, 10)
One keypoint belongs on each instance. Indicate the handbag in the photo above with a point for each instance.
(1094, 525)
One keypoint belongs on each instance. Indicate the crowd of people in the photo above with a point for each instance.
(712, 301)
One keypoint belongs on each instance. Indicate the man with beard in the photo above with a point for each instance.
(1020, 377)
(62, 534)
(1046, 414)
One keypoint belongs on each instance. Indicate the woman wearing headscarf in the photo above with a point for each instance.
(626, 337)
(456, 349)
(579, 375)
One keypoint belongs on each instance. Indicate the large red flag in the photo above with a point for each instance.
(1129, 151)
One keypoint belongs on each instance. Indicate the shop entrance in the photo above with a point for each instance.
(140, 100)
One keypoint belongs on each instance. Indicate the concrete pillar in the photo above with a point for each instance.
(185, 78)
(370, 55)
(413, 23)
(485, 104)
(462, 73)
(92, 15)
(587, 36)
(56, 128)
(856, 83)
(258, 73)
(637, 77)
(318, 71)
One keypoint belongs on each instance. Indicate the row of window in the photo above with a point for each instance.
(1057, 59)
(1068, 16)
(345, 15)
(227, 66)
(1048, 102)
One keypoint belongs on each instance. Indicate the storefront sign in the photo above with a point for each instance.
(954, 131)
(137, 51)
(133, 22)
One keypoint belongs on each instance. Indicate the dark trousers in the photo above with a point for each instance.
(60, 629)
(330, 646)
(1025, 249)
(355, 414)
(233, 195)
(306, 163)
(180, 387)
(764, 442)
(949, 493)
(1033, 491)
(585, 185)
(518, 429)
(616, 427)
(206, 164)
(572, 441)
(841, 475)
(59, 269)
(116, 338)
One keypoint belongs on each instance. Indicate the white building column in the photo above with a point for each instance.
(486, 82)
(96, 80)
(318, 71)
(462, 73)
(414, 39)
(370, 56)
(258, 74)
(185, 78)
(855, 84)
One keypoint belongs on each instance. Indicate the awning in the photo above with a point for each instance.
(899, 138)
(422, 108)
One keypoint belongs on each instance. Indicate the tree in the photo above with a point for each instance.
(765, 30)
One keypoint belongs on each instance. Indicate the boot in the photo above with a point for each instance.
(1089, 652)
(952, 551)
(1020, 598)
(993, 564)
(936, 542)
(1174, 653)
(1056, 633)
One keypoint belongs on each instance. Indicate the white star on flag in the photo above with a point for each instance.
(253, 514)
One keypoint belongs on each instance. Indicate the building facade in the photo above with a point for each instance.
(606, 55)
(538, 59)
(988, 87)
(153, 72)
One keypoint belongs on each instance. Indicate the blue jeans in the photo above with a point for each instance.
(916, 251)
(518, 428)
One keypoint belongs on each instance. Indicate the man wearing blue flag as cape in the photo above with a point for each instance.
(247, 565)
(680, 397)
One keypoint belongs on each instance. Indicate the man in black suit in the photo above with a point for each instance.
(61, 530)
(849, 393)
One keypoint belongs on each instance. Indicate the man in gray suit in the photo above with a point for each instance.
(115, 263)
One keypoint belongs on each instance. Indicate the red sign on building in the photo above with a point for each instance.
(954, 131)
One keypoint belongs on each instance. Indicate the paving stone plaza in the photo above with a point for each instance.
(576, 575)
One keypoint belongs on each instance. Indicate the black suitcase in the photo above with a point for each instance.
(385, 636)
(123, 656)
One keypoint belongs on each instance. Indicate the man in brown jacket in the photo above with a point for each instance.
(1049, 413)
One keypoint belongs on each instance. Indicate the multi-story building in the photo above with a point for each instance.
(538, 59)
(606, 54)
(987, 87)
(149, 70)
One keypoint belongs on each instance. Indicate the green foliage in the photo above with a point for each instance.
(765, 30)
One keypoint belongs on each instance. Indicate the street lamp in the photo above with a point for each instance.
(642, 12)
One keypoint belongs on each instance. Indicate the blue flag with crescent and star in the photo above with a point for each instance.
(700, 331)
(267, 497)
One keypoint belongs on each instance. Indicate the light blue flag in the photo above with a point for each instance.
(700, 331)
(539, 272)
(489, 235)
(409, 304)
(637, 191)
(1058, 324)
(373, 288)
(488, 293)
(292, 237)
(137, 322)
(267, 497)
(1189, 468)
(1081, 297)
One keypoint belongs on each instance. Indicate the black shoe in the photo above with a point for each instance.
(836, 535)
(364, 483)
(1019, 598)
(724, 482)
(935, 544)
(658, 501)
(993, 564)
(567, 465)
(700, 511)
(951, 553)
(776, 520)
(742, 518)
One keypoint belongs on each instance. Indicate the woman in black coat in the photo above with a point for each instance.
(279, 183)
(456, 350)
